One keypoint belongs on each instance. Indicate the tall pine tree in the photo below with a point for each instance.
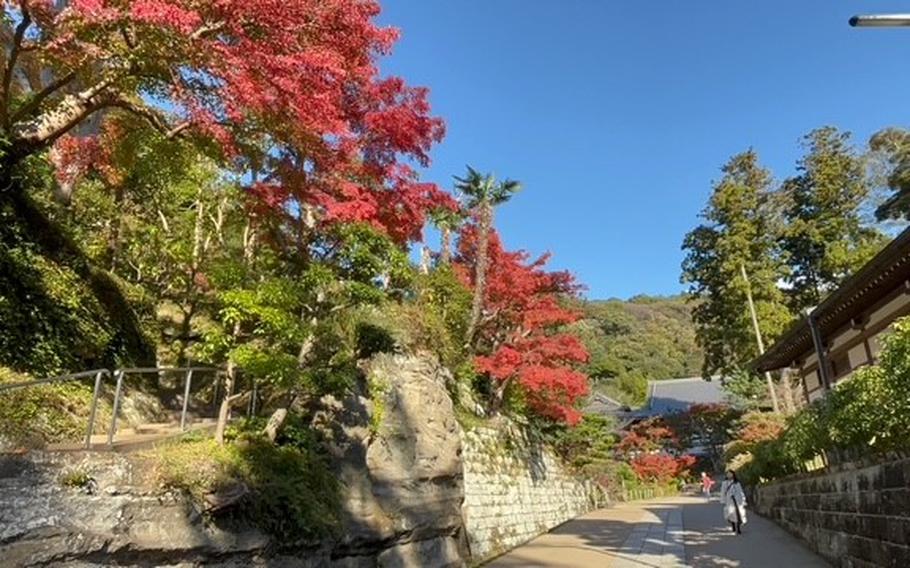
(739, 231)
(892, 147)
(825, 239)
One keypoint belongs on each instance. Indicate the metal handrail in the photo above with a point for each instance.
(120, 374)
(99, 374)
(57, 379)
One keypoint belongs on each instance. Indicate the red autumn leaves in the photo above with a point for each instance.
(288, 93)
(520, 329)
(289, 90)
(652, 449)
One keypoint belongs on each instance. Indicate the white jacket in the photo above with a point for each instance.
(733, 499)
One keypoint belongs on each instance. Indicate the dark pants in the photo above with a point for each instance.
(738, 525)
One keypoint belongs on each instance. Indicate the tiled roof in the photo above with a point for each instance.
(889, 269)
(604, 405)
(677, 395)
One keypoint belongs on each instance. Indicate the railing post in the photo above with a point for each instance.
(117, 389)
(94, 410)
(218, 378)
(186, 399)
(254, 392)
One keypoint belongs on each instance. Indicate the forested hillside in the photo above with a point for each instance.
(637, 340)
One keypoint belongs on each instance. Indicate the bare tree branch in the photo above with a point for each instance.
(35, 102)
(206, 29)
(11, 63)
(155, 118)
(41, 131)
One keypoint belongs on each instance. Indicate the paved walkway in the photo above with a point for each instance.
(664, 533)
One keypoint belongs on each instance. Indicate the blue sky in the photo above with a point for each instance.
(616, 115)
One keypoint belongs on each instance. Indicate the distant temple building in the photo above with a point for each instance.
(844, 332)
(664, 397)
(679, 395)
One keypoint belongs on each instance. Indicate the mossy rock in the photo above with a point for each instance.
(58, 312)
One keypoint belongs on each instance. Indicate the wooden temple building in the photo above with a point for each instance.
(844, 332)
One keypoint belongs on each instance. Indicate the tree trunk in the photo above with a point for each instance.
(225, 409)
(424, 260)
(33, 135)
(480, 270)
(276, 421)
(113, 240)
(789, 402)
(224, 412)
(445, 256)
(190, 293)
(499, 395)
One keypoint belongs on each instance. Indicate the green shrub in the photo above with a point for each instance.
(293, 493)
(44, 414)
(434, 318)
(373, 339)
(590, 442)
(58, 312)
(869, 413)
(77, 477)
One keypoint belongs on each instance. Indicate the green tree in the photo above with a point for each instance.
(745, 390)
(633, 341)
(892, 145)
(825, 238)
(483, 193)
(741, 222)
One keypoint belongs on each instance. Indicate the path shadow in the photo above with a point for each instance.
(591, 540)
(604, 539)
(711, 544)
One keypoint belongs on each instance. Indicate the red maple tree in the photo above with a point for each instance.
(651, 435)
(288, 89)
(662, 467)
(520, 329)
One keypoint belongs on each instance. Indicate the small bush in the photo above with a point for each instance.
(77, 477)
(592, 441)
(45, 414)
(373, 339)
(294, 495)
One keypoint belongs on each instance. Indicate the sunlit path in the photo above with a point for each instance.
(674, 532)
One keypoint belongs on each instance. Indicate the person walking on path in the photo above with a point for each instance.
(733, 499)
(707, 482)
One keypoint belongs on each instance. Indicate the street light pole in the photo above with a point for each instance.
(881, 21)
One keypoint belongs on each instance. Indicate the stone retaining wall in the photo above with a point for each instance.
(856, 516)
(516, 489)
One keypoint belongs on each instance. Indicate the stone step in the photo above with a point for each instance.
(144, 436)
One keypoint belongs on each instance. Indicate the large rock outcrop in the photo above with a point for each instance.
(396, 447)
(398, 453)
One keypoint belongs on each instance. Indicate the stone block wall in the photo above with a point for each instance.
(855, 515)
(515, 489)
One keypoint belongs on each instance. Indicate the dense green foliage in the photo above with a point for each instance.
(292, 492)
(787, 244)
(591, 448)
(747, 391)
(632, 342)
(824, 238)
(891, 148)
(37, 416)
(58, 311)
(738, 235)
(868, 413)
